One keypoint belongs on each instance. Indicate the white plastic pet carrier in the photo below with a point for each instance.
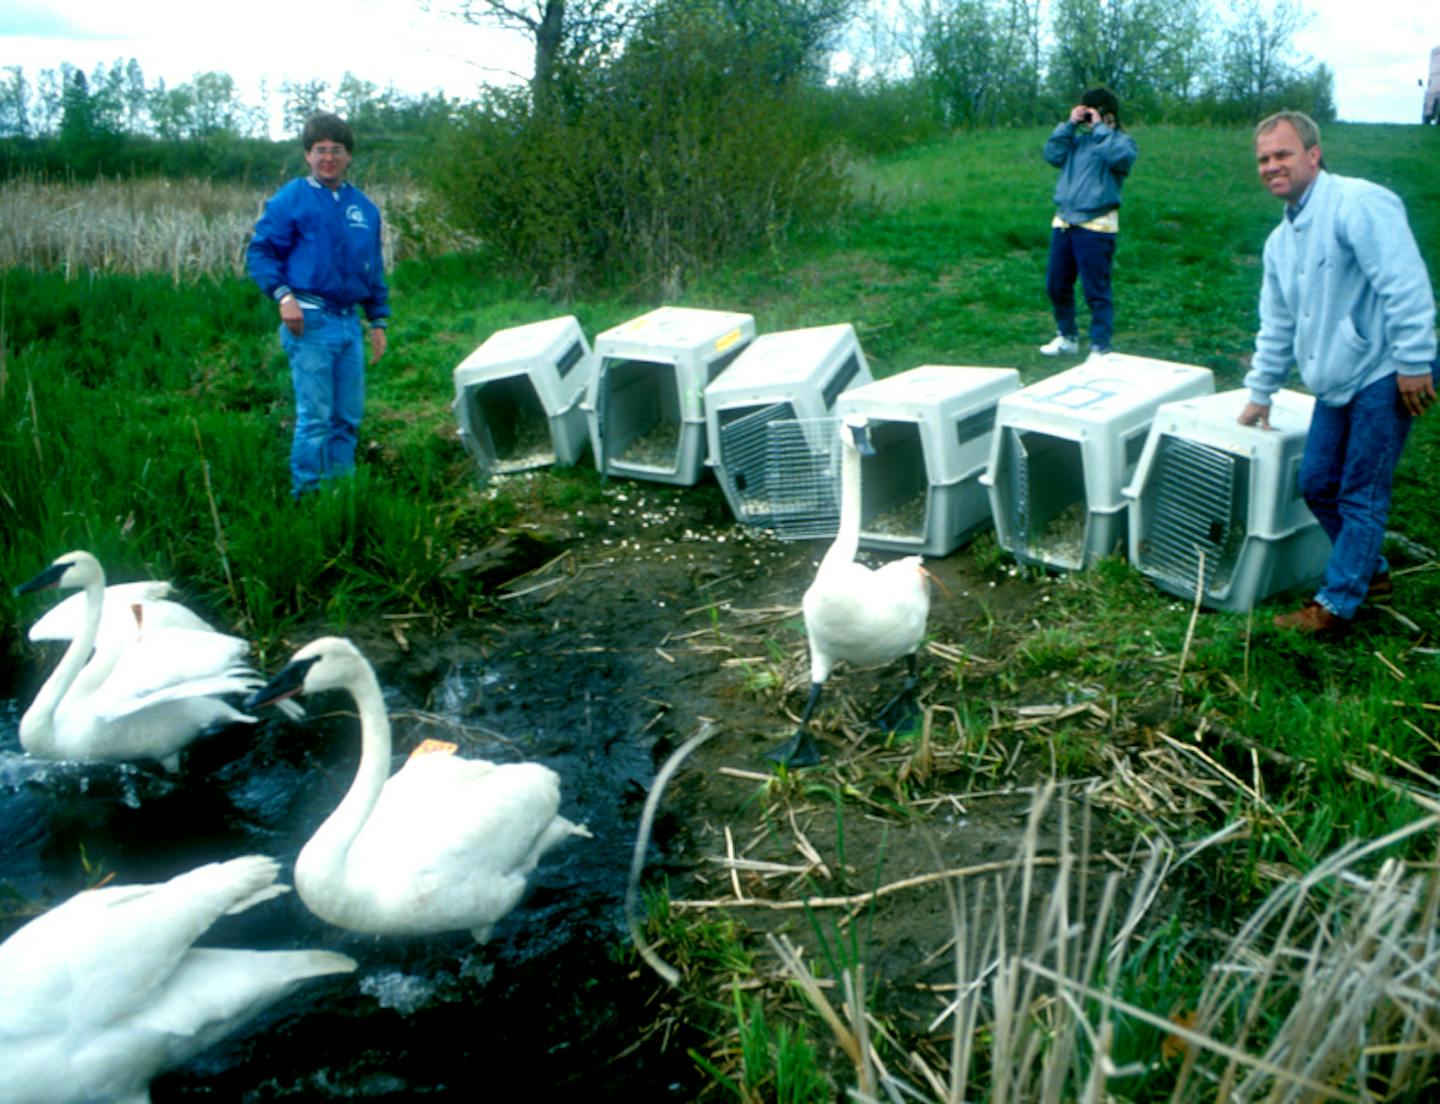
(931, 429)
(1064, 448)
(646, 404)
(766, 418)
(1213, 496)
(517, 397)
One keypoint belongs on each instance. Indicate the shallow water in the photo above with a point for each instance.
(545, 1001)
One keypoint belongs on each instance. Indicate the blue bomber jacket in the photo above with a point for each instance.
(1093, 165)
(322, 245)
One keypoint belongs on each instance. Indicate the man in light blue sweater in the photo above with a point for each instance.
(1347, 299)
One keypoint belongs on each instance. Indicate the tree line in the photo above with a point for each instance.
(999, 62)
(974, 63)
(117, 99)
(67, 122)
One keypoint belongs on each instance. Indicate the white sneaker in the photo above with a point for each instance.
(1060, 344)
(1098, 354)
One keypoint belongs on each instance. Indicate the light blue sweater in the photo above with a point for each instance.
(1346, 296)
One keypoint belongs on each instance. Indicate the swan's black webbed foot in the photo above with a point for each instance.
(800, 750)
(903, 708)
(898, 712)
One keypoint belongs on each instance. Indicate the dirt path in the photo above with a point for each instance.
(663, 615)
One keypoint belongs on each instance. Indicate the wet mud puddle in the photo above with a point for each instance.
(547, 1002)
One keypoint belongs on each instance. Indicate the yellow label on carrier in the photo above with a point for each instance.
(434, 747)
(729, 339)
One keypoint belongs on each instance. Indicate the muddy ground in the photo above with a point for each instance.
(617, 632)
(655, 616)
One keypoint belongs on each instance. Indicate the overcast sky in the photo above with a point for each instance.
(1378, 49)
(380, 41)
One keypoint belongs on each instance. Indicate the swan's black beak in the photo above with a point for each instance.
(289, 682)
(48, 578)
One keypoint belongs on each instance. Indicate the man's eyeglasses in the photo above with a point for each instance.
(329, 151)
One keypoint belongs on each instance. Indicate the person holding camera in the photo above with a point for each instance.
(1094, 156)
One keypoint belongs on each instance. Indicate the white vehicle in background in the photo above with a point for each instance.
(1430, 111)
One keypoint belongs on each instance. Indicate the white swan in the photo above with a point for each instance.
(141, 698)
(105, 991)
(852, 613)
(119, 615)
(443, 845)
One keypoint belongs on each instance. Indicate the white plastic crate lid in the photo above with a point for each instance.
(1213, 420)
(776, 363)
(517, 350)
(931, 387)
(678, 330)
(520, 345)
(1102, 391)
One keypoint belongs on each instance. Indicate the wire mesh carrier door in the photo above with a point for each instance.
(784, 471)
(1197, 517)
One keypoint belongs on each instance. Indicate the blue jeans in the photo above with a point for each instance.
(1088, 254)
(1350, 457)
(327, 368)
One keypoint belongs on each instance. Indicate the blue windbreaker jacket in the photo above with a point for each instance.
(1093, 165)
(322, 245)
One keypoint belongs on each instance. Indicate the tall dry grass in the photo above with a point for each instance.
(1327, 991)
(186, 228)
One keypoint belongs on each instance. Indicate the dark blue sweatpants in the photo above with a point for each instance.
(1088, 254)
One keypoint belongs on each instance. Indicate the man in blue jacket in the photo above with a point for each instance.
(1094, 155)
(1346, 298)
(316, 253)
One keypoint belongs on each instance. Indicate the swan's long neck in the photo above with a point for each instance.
(847, 538)
(332, 840)
(37, 732)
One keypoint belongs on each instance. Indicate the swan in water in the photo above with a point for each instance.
(442, 845)
(119, 615)
(145, 695)
(103, 992)
(852, 613)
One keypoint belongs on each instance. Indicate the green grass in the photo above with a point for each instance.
(149, 423)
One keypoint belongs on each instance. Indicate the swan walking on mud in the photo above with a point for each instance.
(145, 692)
(863, 617)
(105, 991)
(443, 845)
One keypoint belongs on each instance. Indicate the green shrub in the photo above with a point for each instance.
(677, 156)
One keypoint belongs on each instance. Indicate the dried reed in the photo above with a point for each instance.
(187, 228)
(1330, 990)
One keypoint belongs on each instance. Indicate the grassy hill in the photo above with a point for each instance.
(148, 421)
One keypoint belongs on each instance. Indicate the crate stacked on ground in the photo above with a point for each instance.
(1064, 448)
(646, 400)
(930, 428)
(772, 439)
(1216, 506)
(517, 397)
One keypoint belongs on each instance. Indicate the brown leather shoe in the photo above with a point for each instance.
(1381, 586)
(1312, 619)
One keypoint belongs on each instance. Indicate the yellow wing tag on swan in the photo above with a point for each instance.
(434, 747)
